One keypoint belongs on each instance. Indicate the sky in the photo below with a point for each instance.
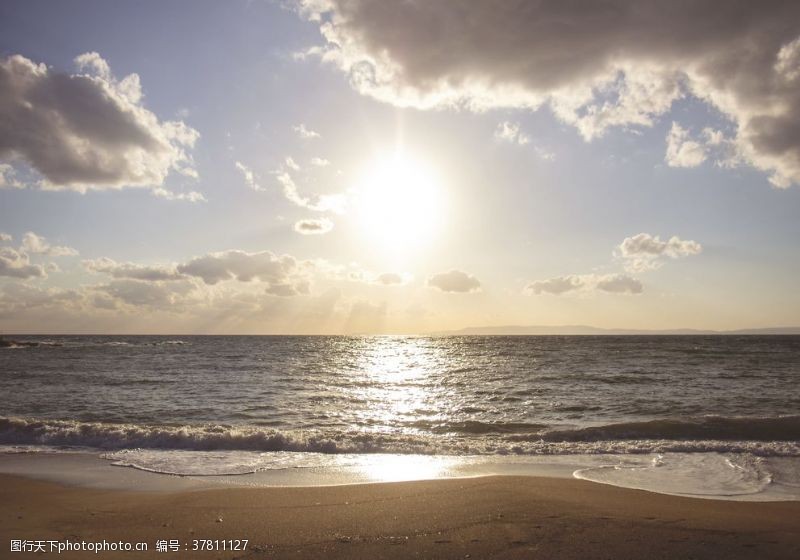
(345, 166)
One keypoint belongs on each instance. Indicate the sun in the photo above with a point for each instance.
(399, 201)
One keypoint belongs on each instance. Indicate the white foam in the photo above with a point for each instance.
(213, 463)
(707, 475)
(710, 475)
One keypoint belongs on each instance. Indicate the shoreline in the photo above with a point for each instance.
(489, 516)
(649, 473)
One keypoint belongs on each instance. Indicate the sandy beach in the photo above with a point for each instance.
(482, 517)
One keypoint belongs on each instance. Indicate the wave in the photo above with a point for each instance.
(783, 428)
(612, 439)
(476, 427)
(12, 344)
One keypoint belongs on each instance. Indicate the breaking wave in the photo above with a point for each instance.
(779, 436)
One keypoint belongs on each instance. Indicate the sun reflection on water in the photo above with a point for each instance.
(396, 379)
(395, 468)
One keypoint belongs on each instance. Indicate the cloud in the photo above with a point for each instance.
(133, 271)
(646, 244)
(87, 130)
(17, 297)
(291, 164)
(249, 176)
(508, 131)
(139, 293)
(681, 151)
(599, 65)
(320, 162)
(611, 283)
(304, 132)
(353, 272)
(390, 279)
(313, 226)
(191, 196)
(618, 284)
(642, 252)
(17, 265)
(335, 203)
(454, 281)
(281, 275)
(284, 275)
(5, 237)
(37, 245)
(8, 179)
(687, 150)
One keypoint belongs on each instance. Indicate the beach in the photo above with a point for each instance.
(480, 517)
(401, 447)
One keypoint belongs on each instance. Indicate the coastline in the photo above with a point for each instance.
(701, 476)
(480, 517)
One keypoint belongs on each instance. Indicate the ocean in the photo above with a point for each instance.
(715, 415)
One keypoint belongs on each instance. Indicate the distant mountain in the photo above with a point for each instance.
(586, 330)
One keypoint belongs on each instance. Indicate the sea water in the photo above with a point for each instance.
(715, 416)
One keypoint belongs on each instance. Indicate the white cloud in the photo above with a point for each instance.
(16, 264)
(291, 164)
(249, 176)
(304, 132)
(646, 244)
(313, 226)
(191, 196)
(546, 155)
(685, 150)
(5, 237)
(37, 245)
(87, 130)
(681, 151)
(8, 179)
(320, 162)
(611, 64)
(454, 281)
(611, 283)
(508, 131)
(642, 252)
(353, 272)
(335, 203)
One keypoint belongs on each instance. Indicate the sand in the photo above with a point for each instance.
(484, 517)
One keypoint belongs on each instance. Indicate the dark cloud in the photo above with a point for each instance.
(390, 278)
(612, 283)
(133, 271)
(596, 64)
(87, 130)
(313, 226)
(285, 275)
(619, 284)
(454, 281)
(140, 293)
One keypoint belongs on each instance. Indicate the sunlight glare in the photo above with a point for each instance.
(399, 202)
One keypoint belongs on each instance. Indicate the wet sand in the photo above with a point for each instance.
(485, 517)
